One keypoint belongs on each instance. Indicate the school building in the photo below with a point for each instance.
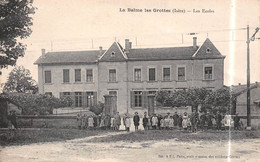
(131, 75)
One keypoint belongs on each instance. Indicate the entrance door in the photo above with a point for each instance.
(150, 104)
(113, 101)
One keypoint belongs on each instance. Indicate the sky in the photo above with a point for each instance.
(75, 25)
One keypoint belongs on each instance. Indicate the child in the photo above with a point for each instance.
(90, 122)
(166, 122)
(127, 123)
(79, 120)
(162, 123)
(112, 123)
(171, 122)
(189, 124)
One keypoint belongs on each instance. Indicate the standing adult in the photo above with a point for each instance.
(117, 121)
(194, 121)
(218, 120)
(175, 119)
(136, 120)
(236, 122)
(145, 121)
(180, 122)
(13, 120)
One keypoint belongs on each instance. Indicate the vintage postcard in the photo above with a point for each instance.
(114, 80)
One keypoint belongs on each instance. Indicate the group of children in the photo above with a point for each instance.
(190, 123)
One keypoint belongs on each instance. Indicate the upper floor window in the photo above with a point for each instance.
(151, 74)
(89, 75)
(137, 75)
(181, 73)
(77, 75)
(66, 75)
(208, 71)
(47, 75)
(112, 75)
(166, 74)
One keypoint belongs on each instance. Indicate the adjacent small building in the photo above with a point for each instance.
(129, 74)
(240, 105)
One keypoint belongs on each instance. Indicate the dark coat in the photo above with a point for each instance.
(145, 121)
(136, 120)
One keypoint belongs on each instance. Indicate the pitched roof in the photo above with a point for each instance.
(168, 53)
(207, 50)
(178, 53)
(69, 57)
(114, 53)
(240, 89)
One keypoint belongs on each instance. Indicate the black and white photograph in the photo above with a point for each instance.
(129, 81)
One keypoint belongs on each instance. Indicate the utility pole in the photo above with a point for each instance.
(248, 82)
(248, 76)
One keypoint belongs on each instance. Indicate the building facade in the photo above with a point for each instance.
(129, 74)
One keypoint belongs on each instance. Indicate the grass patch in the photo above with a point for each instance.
(179, 136)
(23, 137)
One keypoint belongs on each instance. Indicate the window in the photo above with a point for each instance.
(90, 99)
(151, 92)
(138, 98)
(151, 74)
(113, 93)
(47, 75)
(78, 99)
(66, 94)
(48, 94)
(112, 75)
(166, 74)
(77, 75)
(208, 50)
(89, 75)
(113, 53)
(66, 75)
(181, 73)
(208, 73)
(137, 75)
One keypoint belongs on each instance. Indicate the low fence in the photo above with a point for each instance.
(28, 121)
(70, 122)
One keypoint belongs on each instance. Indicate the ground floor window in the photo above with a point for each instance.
(138, 98)
(78, 99)
(90, 99)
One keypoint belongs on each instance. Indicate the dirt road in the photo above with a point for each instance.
(171, 150)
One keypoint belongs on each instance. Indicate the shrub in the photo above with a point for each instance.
(97, 109)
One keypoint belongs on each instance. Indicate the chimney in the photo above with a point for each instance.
(194, 42)
(43, 52)
(127, 45)
(100, 51)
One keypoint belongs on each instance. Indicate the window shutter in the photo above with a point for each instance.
(144, 99)
(132, 99)
(95, 98)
